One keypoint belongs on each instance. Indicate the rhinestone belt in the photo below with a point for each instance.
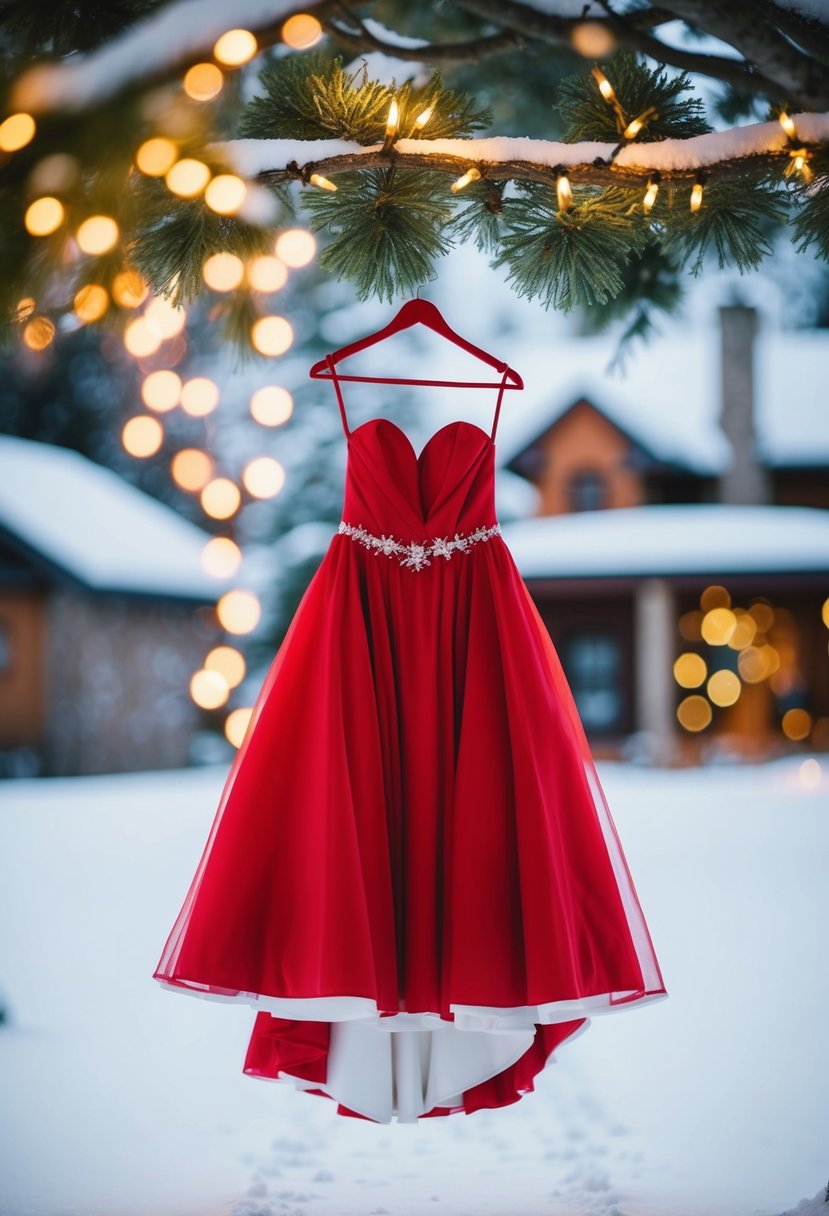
(413, 555)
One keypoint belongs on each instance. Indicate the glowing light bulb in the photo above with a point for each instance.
(220, 498)
(787, 124)
(38, 333)
(472, 175)
(605, 87)
(424, 116)
(650, 196)
(228, 662)
(271, 405)
(263, 477)
(266, 274)
(696, 196)
(694, 713)
(209, 689)
(633, 128)
(141, 338)
(564, 192)
(223, 271)
(161, 391)
(192, 469)
(199, 397)
(129, 289)
(322, 183)
(235, 48)
(393, 118)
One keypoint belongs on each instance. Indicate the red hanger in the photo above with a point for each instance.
(416, 312)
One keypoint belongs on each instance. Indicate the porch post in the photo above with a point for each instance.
(654, 630)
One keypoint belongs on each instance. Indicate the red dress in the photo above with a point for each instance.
(413, 875)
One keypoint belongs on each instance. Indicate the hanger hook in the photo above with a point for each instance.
(431, 279)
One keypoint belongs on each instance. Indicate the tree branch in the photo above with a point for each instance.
(717, 155)
(547, 27)
(796, 75)
(471, 51)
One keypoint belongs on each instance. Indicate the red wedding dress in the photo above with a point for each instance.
(413, 875)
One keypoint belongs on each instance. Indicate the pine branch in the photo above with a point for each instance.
(359, 38)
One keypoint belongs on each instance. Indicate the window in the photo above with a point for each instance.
(592, 663)
(587, 491)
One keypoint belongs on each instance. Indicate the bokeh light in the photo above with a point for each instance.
(221, 557)
(694, 713)
(724, 687)
(156, 156)
(161, 391)
(763, 615)
(98, 234)
(225, 194)
(689, 626)
(229, 663)
(235, 48)
(744, 631)
(757, 663)
(718, 625)
(271, 335)
(271, 405)
(301, 31)
(263, 477)
(220, 498)
(16, 131)
(166, 318)
(141, 338)
(223, 271)
(239, 611)
(38, 333)
(199, 396)
(203, 81)
(714, 596)
(267, 274)
(690, 670)
(796, 724)
(142, 436)
(824, 612)
(209, 689)
(187, 177)
(592, 39)
(296, 247)
(236, 725)
(192, 469)
(129, 289)
(91, 302)
(44, 216)
(810, 774)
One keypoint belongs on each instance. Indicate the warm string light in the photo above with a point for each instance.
(651, 192)
(607, 92)
(424, 117)
(564, 192)
(393, 119)
(787, 124)
(799, 163)
(322, 183)
(637, 124)
(472, 175)
(696, 194)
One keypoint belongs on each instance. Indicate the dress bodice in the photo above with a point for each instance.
(449, 487)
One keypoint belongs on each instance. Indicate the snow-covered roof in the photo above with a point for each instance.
(89, 522)
(672, 539)
(668, 397)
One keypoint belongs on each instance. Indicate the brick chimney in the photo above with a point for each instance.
(746, 481)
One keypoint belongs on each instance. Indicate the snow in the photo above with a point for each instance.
(177, 32)
(256, 156)
(88, 521)
(123, 1099)
(700, 538)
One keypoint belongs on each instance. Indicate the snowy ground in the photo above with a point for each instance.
(122, 1099)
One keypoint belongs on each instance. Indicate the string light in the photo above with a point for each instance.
(235, 48)
(129, 289)
(424, 117)
(142, 436)
(209, 689)
(156, 156)
(564, 192)
(44, 216)
(266, 273)
(271, 336)
(98, 234)
(223, 271)
(38, 333)
(322, 183)
(295, 247)
(203, 81)
(696, 195)
(787, 124)
(16, 132)
(472, 175)
(91, 302)
(225, 194)
(221, 557)
(187, 178)
(192, 469)
(301, 31)
(239, 611)
(650, 194)
(605, 87)
(236, 725)
(798, 163)
(271, 405)
(393, 119)
(161, 391)
(228, 662)
(220, 498)
(199, 396)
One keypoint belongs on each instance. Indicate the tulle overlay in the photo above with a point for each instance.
(413, 875)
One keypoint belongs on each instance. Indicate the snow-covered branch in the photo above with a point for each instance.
(719, 154)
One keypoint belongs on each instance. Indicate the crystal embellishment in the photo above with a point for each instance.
(416, 555)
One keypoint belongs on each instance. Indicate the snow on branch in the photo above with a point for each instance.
(176, 34)
(719, 153)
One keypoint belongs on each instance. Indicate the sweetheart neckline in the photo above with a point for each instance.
(418, 456)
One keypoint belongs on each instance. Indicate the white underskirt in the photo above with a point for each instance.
(426, 1061)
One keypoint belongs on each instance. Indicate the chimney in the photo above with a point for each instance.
(746, 481)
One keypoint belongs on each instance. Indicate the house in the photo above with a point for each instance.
(679, 546)
(99, 584)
